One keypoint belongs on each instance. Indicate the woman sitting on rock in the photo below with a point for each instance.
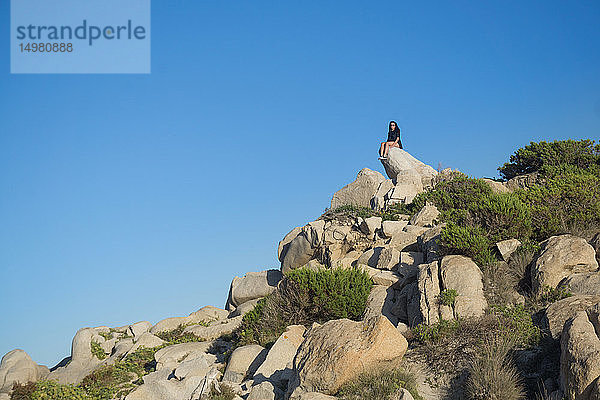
(393, 140)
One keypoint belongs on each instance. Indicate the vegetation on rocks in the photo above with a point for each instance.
(107, 381)
(380, 385)
(565, 200)
(305, 296)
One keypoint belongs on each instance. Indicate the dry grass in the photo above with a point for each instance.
(492, 376)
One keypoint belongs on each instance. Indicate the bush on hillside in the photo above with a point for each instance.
(549, 158)
(305, 296)
(568, 203)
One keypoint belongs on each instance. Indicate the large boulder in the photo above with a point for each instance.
(339, 350)
(285, 242)
(253, 285)
(399, 161)
(18, 367)
(298, 253)
(559, 312)
(243, 362)
(380, 302)
(560, 257)
(422, 297)
(82, 360)
(461, 274)
(427, 217)
(277, 367)
(583, 283)
(580, 357)
(215, 329)
(204, 315)
(360, 192)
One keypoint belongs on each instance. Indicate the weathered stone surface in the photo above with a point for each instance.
(427, 217)
(146, 339)
(300, 394)
(580, 357)
(299, 252)
(380, 302)
(379, 277)
(388, 259)
(399, 160)
(370, 225)
(169, 357)
(277, 367)
(560, 257)
(507, 247)
(559, 312)
(253, 285)
(378, 201)
(158, 386)
(216, 329)
(522, 181)
(244, 361)
(82, 360)
(463, 275)
(205, 314)
(138, 328)
(422, 300)
(242, 309)
(428, 243)
(403, 241)
(583, 283)
(265, 391)
(370, 257)
(359, 192)
(339, 350)
(408, 184)
(283, 245)
(199, 365)
(18, 367)
(391, 228)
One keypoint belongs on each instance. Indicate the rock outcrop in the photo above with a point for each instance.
(339, 350)
(400, 161)
(562, 256)
(18, 367)
(580, 356)
(360, 192)
(252, 286)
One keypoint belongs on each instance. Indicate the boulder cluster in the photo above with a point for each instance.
(413, 284)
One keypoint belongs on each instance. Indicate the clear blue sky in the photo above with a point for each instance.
(139, 197)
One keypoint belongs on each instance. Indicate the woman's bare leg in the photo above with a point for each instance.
(382, 149)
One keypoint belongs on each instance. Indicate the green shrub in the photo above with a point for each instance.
(470, 241)
(380, 385)
(52, 390)
(430, 333)
(552, 157)
(305, 296)
(551, 295)
(176, 336)
(352, 210)
(448, 297)
(516, 322)
(564, 204)
(97, 350)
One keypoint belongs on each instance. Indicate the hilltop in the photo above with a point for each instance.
(423, 284)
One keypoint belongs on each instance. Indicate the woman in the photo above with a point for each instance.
(393, 140)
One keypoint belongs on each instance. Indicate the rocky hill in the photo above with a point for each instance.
(421, 285)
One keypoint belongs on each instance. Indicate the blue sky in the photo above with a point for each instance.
(138, 197)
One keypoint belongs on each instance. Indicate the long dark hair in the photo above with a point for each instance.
(397, 130)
